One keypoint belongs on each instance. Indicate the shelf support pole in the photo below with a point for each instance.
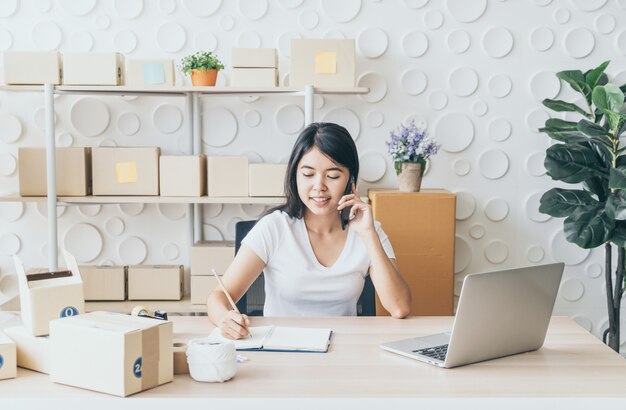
(197, 150)
(53, 262)
(308, 104)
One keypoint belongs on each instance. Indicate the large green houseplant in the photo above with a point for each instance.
(588, 152)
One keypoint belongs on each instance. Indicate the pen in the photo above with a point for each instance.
(230, 300)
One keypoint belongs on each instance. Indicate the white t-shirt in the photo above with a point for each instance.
(296, 284)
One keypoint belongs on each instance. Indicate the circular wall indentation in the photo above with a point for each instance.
(346, 118)
(567, 252)
(545, 84)
(212, 210)
(534, 164)
(415, 4)
(289, 119)
(252, 118)
(211, 233)
(493, 164)
(84, 241)
(202, 8)
(252, 210)
(252, 9)
(377, 85)
(132, 251)
(219, 127)
(433, 19)
(463, 81)
(499, 129)
(6, 39)
(341, 11)
(496, 209)
(167, 6)
(103, 22)
(205, 40)
(89, 116)
(594, 270)
(535, 254)
(227, 23)
(90, 210)
(500, 85)
(249, 39)
(39, 118)
(415, 44)
(372, 42)
(171, 37)
(64, 139)
(498, 42)
(81, 41)
(131, 209)
(438, 100)
(47, 35)
(605, 23)
(172, 212)
(532, 208)
(455, 132)
(480, 108)
(465, 205)
(114, 226)
(291, 4)
(477, 231)
(8, 164)
(541, 38)
(128, 123)
(561, 16)
(125, 41)
(462, 254)
(413, 81)
(458, 41)
(572, 290)
(309, 19)
(496, 252)
(43, 6)
(588, 5)
(375, 118)
(10, 128)
(128, 9)
(42, 209)
(584, 322)
(536, 119)
(373, 166)
(10, 244)
(170, 251)
(11, 211)
(466, 11)
(462, 167)
(579, 42)
(167, 118)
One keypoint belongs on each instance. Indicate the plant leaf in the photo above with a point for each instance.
(617, 178)
(573, 163)
(616, 205)
(608, 98)
(592, 76)
(588, 228)
(569, 136)
(591, 128)
(561, 106)
(560, 203)
(557, 123)
(618, 237)
(598, 187)
(576, 80)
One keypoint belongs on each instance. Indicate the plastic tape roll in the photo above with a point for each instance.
(211, 361)
(140, 310)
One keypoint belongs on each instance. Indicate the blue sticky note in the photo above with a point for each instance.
(153, 74)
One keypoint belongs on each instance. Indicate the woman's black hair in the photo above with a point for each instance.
(335, 142)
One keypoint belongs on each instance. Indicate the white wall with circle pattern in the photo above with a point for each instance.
(473, 71)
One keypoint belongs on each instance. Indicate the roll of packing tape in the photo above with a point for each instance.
(139, 310)
(180, 357)
(210, 360)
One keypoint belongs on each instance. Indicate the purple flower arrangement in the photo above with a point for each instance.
(410, 143)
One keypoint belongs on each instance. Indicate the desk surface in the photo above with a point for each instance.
(572, 364)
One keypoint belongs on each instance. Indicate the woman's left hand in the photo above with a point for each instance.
(361, 218)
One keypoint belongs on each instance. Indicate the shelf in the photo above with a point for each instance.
(170, 306)
(147, 200)
(182, 90)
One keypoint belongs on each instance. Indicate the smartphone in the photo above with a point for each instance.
(344, 214)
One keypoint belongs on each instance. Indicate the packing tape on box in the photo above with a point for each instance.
(210, 360)
(180, 357)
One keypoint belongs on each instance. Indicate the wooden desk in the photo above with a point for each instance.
(573, 369)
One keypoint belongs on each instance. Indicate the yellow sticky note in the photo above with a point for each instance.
(325, 62)
(125, 172)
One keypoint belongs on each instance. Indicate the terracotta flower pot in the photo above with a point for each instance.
(410, 177)
(203, 77)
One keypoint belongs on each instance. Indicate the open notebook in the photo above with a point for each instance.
(282, 339)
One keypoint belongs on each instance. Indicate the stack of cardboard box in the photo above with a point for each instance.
(205, 256)
(254, 67)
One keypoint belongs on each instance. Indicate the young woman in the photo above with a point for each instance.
(312, 266)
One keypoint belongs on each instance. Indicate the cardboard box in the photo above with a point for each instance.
(182, 175)
(209, 255)
(254, 77)
(227, 176)
(322, 63)
(32, 67)
(93, 68)
(49, 295)
(155, 282)
(8, 357)
(104, 282)
(426, 265)
(201, 286)
(33, 352)
(254, 58)
(73, 171)
(149, 72)
(267, 179)
(111, 352)
(125, 171)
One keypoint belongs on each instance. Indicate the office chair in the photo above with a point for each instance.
(251, 303)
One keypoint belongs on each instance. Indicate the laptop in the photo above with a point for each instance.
(499, 314)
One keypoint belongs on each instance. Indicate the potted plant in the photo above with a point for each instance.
(589, 152)
(203, 67)
(410, 147)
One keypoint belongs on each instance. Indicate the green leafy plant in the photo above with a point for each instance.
(201, 60)
(589, 152)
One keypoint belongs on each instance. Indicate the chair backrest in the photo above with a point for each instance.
(251, 303)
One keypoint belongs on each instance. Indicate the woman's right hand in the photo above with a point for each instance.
(234, 325)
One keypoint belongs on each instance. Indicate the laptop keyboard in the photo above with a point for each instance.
(435, 352)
